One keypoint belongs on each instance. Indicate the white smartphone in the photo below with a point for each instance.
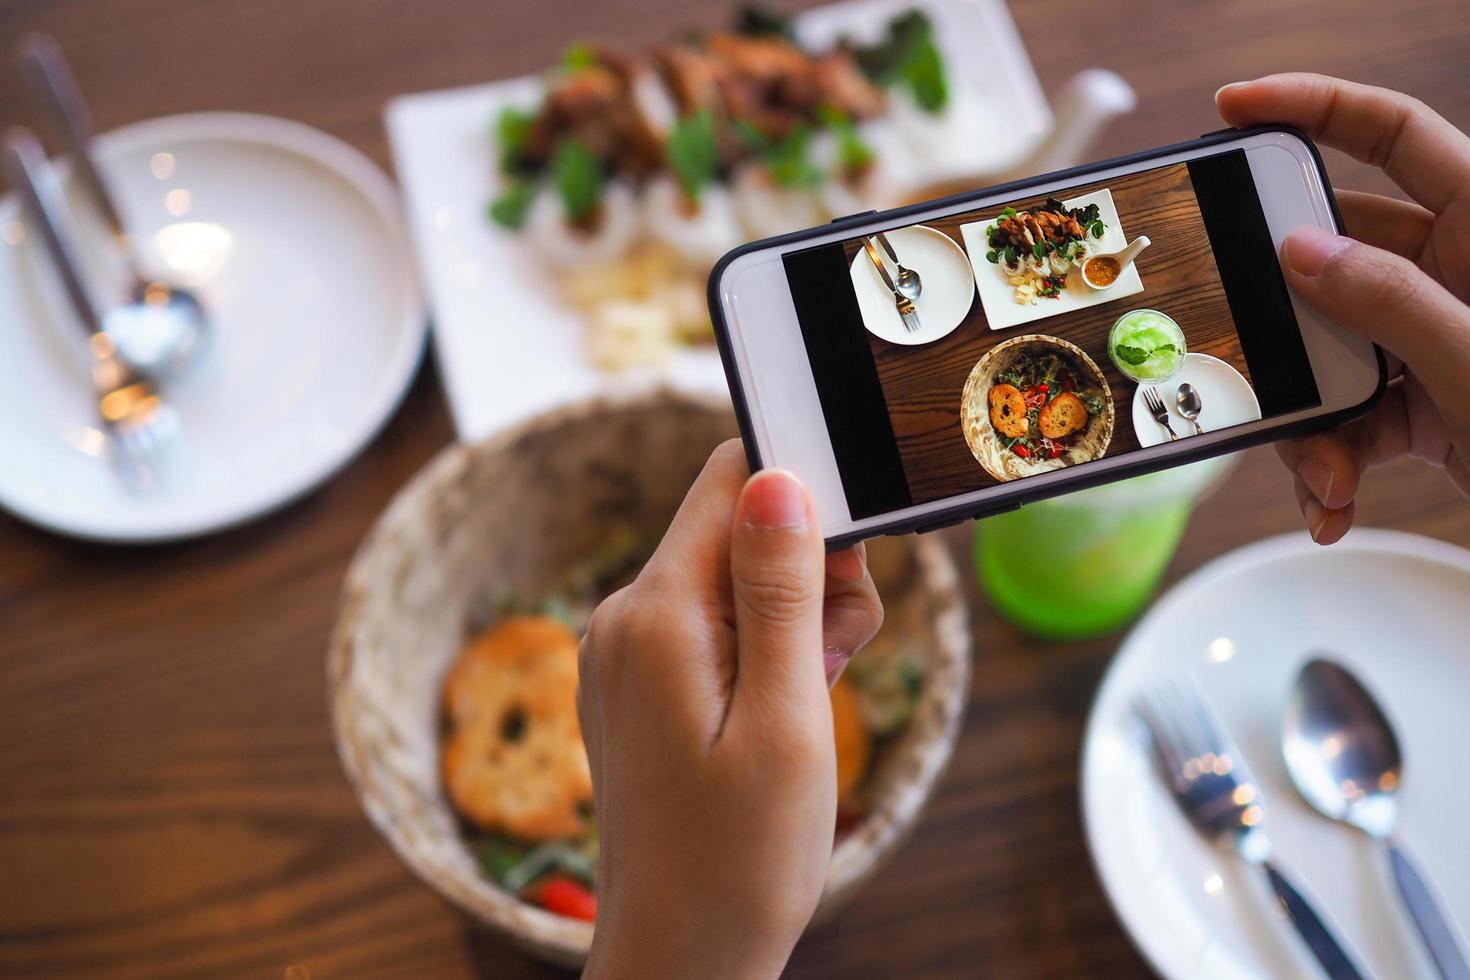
(960, 357)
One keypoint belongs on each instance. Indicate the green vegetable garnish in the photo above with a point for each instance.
(1131, 355)
(579, 55)
(992, 256)
(1166, 349)
(1009, 253)
(785, 159)
(909, 57)
(853, 155)
(509, 209)
(1097, 228)
(577, 176)
(693, 152)
(1039, 249)
(512, 129)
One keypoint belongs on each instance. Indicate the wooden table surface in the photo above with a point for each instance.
(170, 804)
(923, 386)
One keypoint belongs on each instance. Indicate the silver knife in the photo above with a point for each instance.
(904, 305)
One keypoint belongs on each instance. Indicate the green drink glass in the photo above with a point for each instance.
(1083, 565)
(1146, 346)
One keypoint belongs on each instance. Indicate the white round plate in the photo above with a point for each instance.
(1227, 399)
(1392, 607)
(944, 273)
(295, 243)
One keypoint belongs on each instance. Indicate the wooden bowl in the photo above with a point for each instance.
(973, 406)
(514, 513)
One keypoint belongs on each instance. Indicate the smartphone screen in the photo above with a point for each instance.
(1012, 362)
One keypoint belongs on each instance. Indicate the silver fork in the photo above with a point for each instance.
(906, 311)
(1157, 409)
(141, 427)
(1212, 784)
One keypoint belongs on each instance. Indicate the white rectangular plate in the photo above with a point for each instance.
(507, 343)
(998, 296)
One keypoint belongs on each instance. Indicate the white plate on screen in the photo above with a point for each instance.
(1391, 606)
(296, 246)
(503, 361)
(948, 286)
(998, 296)
(1226, 399)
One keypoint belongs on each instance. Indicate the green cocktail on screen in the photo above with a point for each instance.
(1147, 346)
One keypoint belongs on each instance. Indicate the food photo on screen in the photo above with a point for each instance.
(1049, 332)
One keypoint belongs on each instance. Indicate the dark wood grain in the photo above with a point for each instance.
(170, 803)
(922, 385)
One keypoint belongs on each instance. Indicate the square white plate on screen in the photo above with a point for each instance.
(998, 296)
(508, 344)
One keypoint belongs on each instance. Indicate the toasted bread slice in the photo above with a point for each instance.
(1062, 416)
(1008, 411)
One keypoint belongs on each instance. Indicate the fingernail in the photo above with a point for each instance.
(833, 660)
(1317, 475)
(774, 499)
(848, 566)
(1309, 248)
(1225, 86)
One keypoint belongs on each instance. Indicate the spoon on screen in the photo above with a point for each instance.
(159, 329)
(1344, 760)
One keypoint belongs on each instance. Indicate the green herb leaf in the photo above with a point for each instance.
(1162, 348)
(579, 55)
(512, 129)
(693, 152)
(1008, 213)
(1097, 228)
(908, 56)
(499, 856)
(509, 209)
(786, 160)
(1130, 355)
(1010, 254)
(577, 176)
(1039, 250)
(992, 256)
(924, 73)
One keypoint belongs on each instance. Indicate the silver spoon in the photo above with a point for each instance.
(160, 329)
(1190, 405)
(1345, 761)
(907, 281)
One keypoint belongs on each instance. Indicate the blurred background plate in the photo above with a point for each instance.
(295, 244)
(1388, 605)
(510, 347)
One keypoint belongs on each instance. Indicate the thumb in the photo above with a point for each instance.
(778, 574)
(1392, 302)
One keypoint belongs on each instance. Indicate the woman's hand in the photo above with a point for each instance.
(1402, 280)
(703, 699)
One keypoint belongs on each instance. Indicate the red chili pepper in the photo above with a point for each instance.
(566, 896)
(1043, 388)
(1053, 452)
(1021, 451)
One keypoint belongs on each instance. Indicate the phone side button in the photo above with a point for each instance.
(856, 214)
(1218, 132)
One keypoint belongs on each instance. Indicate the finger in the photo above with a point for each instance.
(1326, 464)
(1326, 526)
(694, 554)
(851, 610)
(1331, 464)
(1389, 300)
(778, 577)
(1400, 227)
(1413, 144)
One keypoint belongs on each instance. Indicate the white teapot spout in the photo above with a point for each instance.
(1086, 103)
